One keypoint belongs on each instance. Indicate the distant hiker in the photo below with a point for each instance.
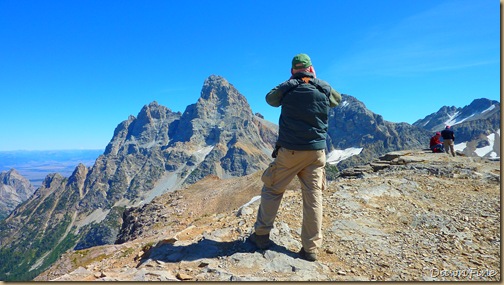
(435, 143)
(448, 140)
(300, 152)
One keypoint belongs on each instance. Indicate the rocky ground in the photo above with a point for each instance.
(413, 216)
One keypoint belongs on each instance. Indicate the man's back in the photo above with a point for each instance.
(447, 134)
(304, 116)
(300, 152)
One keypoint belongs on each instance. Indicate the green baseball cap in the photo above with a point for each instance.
(301, 60)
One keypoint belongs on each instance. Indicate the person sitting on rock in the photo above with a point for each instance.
(435, 144)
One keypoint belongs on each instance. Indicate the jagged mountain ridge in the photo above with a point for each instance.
(476, 126)
(450, 115)
(14, 189)
(352, 125)
(156, 152)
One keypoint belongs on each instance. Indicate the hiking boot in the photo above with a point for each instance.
(261, 241)
(310, 256)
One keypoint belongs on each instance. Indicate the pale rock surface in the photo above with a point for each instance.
(14, 189)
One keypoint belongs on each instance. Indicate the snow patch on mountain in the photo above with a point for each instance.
(485, 151)
(337, 155)
(455, 119)
(489, 109)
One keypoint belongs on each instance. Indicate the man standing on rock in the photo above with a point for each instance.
(300, 151)
(448, 140)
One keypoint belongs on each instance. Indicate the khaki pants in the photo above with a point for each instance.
(308, 165)
(449, 146)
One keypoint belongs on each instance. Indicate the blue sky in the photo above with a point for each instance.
(71, 71)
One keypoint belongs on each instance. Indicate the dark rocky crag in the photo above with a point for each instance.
(156, 152)
(353, 125)
(478, 110)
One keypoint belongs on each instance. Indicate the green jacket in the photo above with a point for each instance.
(305, 110)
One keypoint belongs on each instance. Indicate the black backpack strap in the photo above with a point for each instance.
(308, 80)
(293, 87)
(285, 93)
(319, 88)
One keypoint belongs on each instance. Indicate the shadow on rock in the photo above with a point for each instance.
(166, 251)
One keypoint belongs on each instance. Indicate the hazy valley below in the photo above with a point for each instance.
(35, 165)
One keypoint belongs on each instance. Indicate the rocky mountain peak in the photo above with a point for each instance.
(51, 180)
(352, 125)
(215, 87)
(119, 137)
(152, 112)
(221, 99)
(14, 189)
(158, 151)
(217, 82)
(78, 178)
(150, 128)
(478, 109)
(11, 177)
(220, 113)
(481, 104)
(151, 124)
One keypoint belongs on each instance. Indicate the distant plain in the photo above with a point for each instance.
(37, 164)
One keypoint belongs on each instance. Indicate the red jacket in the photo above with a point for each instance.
(434, 141)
